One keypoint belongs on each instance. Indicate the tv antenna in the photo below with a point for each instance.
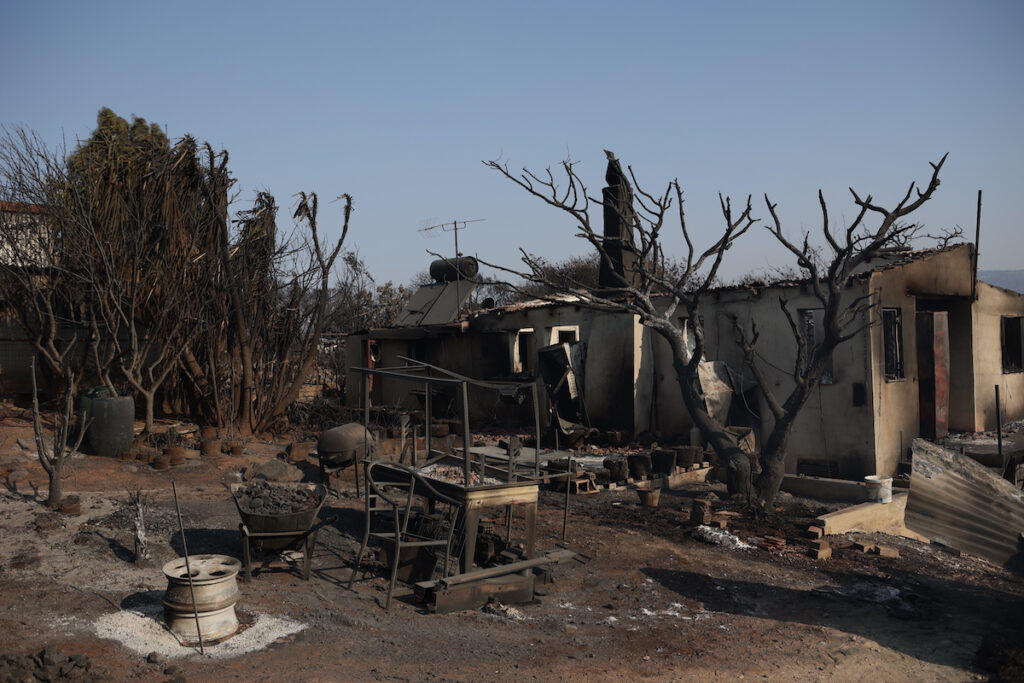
(455, 227)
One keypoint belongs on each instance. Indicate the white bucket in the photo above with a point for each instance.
(879, 488)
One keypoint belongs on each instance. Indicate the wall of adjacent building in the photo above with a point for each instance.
(993, 303)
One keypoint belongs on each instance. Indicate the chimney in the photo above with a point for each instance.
(618, 229)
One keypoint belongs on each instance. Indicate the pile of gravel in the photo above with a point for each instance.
(261, 497)
(50, 665)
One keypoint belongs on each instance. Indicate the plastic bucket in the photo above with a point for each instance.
(879, 488)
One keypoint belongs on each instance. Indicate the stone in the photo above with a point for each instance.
(275, 470)
(155, 658)
(51, 656)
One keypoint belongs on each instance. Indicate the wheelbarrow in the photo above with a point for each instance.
(289, 531)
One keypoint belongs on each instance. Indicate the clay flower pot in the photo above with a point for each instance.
(649, 497)
(175, 454)
(298, 450)
(71, 505)
(210, 448)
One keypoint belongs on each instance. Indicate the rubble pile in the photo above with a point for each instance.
(261, 497)
(452, 474)
(49, 665)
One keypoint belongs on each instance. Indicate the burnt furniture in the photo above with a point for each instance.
(394, 494)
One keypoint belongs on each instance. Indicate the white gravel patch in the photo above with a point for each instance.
(142, 630)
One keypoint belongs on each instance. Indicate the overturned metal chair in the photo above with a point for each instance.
(394, 493)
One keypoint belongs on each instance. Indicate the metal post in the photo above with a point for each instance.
(415, 454)
(999, 431)
(565, 513)
(977, 244)
(427, 418)
(188, 569)
(366, 425)
(366, 401)
(536, 428)
(466, 441)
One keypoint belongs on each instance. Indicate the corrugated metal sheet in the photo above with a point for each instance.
(958, 502)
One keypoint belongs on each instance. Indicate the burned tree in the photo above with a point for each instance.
(38, 294)
(268, 311)
(63, 443)
(844, 316)
(632, 277)
(635, 279)
(143, 227)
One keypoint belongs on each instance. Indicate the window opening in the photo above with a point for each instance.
(525, 351)
(1013, 344)
(892, 339)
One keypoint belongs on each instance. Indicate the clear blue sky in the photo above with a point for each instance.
(397, 103)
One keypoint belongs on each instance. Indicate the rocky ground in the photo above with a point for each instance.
(645, 600)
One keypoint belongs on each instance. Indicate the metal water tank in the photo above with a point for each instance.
(344, 445)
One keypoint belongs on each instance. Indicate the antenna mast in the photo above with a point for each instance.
(455, 227)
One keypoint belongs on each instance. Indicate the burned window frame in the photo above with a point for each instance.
(1011, 341)
(524, 363)
(557, 331)
(893, 358)
(811, 320)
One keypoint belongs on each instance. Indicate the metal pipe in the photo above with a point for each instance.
(366, 425)
(466, 442)
(427, 417)
(188, 569)
(999, 431)
(565, 513)
(977, 243)
(536, 428)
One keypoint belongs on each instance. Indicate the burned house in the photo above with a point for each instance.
(935, 342)
(937, 345)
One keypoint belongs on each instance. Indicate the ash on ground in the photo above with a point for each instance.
(718, 537)
(261, 497)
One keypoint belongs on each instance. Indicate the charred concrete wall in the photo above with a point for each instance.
(503, 345)
(992, 306)
(844, 444)
(609, 372)
(942, 281)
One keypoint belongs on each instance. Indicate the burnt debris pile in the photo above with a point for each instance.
(261, 497)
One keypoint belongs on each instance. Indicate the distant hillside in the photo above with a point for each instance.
(1007, 279)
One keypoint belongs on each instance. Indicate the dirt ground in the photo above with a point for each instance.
(647, 601)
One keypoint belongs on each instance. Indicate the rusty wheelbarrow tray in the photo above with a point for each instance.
(283, 531)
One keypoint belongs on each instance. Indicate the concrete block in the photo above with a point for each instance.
(681, 478)
(823, 553)
(869, 517)
(886, 551)
(814, 532)
(824, 488)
